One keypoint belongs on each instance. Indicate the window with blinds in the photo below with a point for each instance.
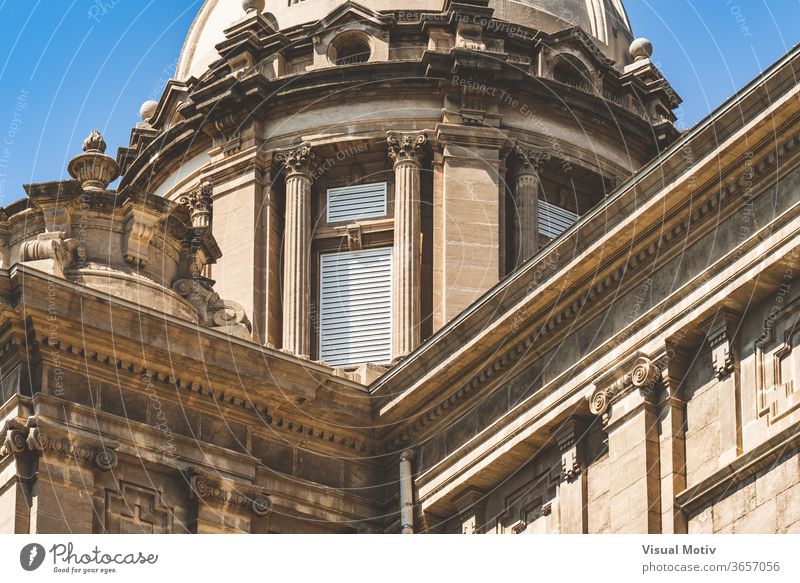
(356, 307)
(361, 201)
(554, 220)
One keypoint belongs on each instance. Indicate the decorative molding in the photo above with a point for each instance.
(139, 230)
(30, 438)
(777, 394)
(568, 436)
(722, 358)
(266, 415)
(718, 485)
(44, 248)
(740, 182)
(407, 148)
(216, 491)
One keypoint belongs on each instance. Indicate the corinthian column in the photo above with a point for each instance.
(406, 151)
(526, 168)
(297, 249)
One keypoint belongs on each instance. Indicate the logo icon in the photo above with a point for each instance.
(31, 556)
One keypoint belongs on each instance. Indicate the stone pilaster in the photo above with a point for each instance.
(406, 152)
(721, 331)
(624, 398)
(526, 170)
(672, 414)
(573, 487)
(297, 250)
(466, 236)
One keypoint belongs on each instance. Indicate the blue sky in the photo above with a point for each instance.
(70, 66)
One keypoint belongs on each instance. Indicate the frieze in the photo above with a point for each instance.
(213, 490)
(174, 381)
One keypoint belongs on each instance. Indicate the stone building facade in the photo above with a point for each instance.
(445, 268)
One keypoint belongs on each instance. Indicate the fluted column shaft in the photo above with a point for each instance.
(406, 151)
(297, 251)
(526, 169)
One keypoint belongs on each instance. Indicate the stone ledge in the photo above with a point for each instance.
(740, 469)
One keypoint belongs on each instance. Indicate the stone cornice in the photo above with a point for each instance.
(632, 189)
(586, 304)
(286, 406)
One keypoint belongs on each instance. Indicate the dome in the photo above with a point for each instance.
(604, 20)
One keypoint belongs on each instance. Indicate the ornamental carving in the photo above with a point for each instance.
(20, 438)
(407, 147)
(212, 311)
(93, 169)
(29, 438)
(527, 160)
(568, 436)
(777, 357)
(200, 203)
(43, 249)
(139, 231)
(721, 353)
(297, 160)
(642, 376)
(212, 490)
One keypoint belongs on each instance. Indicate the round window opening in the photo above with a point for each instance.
(350, 49)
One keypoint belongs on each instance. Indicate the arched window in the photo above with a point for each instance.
(571, 71)
(349, 48)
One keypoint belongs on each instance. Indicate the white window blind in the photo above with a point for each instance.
(554, 220)
(361, 201)
(356, 307)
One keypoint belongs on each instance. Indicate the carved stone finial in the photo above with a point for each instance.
(297, 160)
(148, 109)
(93, 168)
(407, 147)
(641, 48)
(94, 142)
(253, 6)
(200, 204)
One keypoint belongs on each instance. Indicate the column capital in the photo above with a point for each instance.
(613, 386)
(407, 147)
(297, 160)
(525, 159)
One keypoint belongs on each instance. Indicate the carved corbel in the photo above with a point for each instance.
(20, 438)
(139, 231)
(568, 437)
(354, 237)
(722, 357)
